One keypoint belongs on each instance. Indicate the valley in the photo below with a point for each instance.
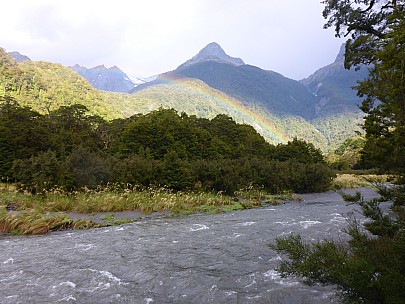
(321, 109)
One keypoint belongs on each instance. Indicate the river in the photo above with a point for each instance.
(221, 258)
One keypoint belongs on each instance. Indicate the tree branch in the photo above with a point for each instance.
(369, 7)
(366, 28)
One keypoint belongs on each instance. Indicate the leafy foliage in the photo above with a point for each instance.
(74, 149)
(385, 101)
(21, 135)
(366, 21)
(370, 268)
(347, 155)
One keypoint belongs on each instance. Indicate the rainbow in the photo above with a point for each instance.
(229, 105)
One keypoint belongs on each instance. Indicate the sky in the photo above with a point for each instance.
(150, 37)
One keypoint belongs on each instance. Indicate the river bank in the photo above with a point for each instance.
(199, 258)
(22, 213)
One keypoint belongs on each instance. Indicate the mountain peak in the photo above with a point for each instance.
(341, 56)
(212, 49)
(107, 79)
(212, 52)
(19, 57)
(101, 67)
(116, 69)
(76, 67)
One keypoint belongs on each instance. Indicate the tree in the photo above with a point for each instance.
(367, 22)
(370, 268)
(385, 102)
(300, 151)
(21, 136)
(377, 31)
(74, 126)
(38, 173)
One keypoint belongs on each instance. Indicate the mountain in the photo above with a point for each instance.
(45, 86)
(107, 79)
(254, 86)
(337, 115)
(19, 57)
(249, 84)
(195, 97)
(212, 52)
(332, 85)
(141, 80)
(320, 109)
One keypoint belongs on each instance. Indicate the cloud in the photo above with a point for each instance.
(150, 37)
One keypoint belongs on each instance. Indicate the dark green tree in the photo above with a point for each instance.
(366, 22)
(385, 101)
(376, 28)
(175, 174)
(86, 168)
(22, 135)
(39, 173)
(75, 126)
(300, 151)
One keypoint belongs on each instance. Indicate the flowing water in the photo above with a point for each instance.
(221, 258)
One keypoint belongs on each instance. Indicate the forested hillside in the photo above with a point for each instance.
(279, 108)
(45, 86)
(195, 97)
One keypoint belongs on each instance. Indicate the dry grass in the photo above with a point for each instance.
(32, 222)
(351, 181)
(148, 201)
(38, 214)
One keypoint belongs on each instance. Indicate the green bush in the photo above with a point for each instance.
(370, 268)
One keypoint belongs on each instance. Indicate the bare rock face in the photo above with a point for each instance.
(212, 52)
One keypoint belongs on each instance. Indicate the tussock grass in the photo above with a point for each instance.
(278, 199)
(146, 200)
(38, 214)
(32, 222)
(351, 181)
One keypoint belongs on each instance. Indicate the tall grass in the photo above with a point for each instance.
(37, 214)
(32, 222)
(351, 181)
(112, 200)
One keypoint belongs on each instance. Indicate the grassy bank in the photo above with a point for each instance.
(351, 181)
(22, 213)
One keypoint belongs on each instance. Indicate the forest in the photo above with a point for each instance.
(72, 149)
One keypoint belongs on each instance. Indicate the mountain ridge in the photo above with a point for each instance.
(111, 79)
(19, 57)
(251, 84)
(333, 86)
